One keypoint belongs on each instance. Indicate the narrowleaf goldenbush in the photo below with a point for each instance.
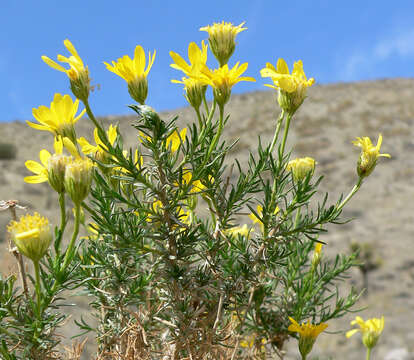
(164, 280)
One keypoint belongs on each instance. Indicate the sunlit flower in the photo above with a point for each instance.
(99, 150)
(252, 341)
(307, 334)
(223, 79)
(292, 86)
(133, 71)
(370, 329)
(60, 118)
(301, 167)
(196, 185)
(32, 235)
(369, 155)
(196, 56)
(259, 211)
(51, 167)
(77, 72)
(239, 230)
(222, 39)
(176, 139)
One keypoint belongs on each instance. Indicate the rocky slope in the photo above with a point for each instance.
(331, 117)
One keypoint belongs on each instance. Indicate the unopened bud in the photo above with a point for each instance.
(56, 171)
(78, 179)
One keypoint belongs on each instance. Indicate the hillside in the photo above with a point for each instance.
(331, 117)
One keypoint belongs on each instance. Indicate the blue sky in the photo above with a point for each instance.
(337, 41)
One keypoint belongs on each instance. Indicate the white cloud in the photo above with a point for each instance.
(397, 44)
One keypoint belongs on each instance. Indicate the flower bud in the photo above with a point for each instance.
(317, 255)
(56, 168)
(32, 235)
(78, 179)
(301, 168)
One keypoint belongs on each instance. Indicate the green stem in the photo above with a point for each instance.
(289, 117)
(368, 354)
(200, 123)
(216, 138)
(62, 213)
(205, 103)
(68, 254)
(37, 287)
(74, 236)
(91, 115)
(351, 194)
(279, 123)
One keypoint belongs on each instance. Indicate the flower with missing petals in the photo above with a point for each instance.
(369, 155)
(371, 330)
(78, 73)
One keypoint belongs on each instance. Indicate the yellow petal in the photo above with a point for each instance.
(35, 179)
(44, 156)
(351, 332)
(34, 166)
(53, 64)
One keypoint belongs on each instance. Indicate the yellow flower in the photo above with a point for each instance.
(251, 341)
(307, 334)
(176, 139)
(197, 57)
(100, 149)
(223, 79)
(317, 255)
(78, 179)
(32, 235)
(301, 167)
(134, 73)
(292, 86)
(77, 72)
(51, 167)
(238, 230)
(222, 38)
(370, 329)
(196, 186)
(369, 155)
(259, 211)
(60, 118)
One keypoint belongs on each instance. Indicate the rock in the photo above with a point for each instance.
(398, 354)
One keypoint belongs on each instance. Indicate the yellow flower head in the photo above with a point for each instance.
(176, 139)
(197, 57)
(307, 334)
(369, 155)
(78, 179)
(317, 255)
(370, 329)
(292, 86)
(77, 72)
(222, 39)
(51, 167)
(100, 149)
(238, 230)
(301, 167)
(133, 71)
(32, 235)
(196, 185)
(60, 118)
(223, 79)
